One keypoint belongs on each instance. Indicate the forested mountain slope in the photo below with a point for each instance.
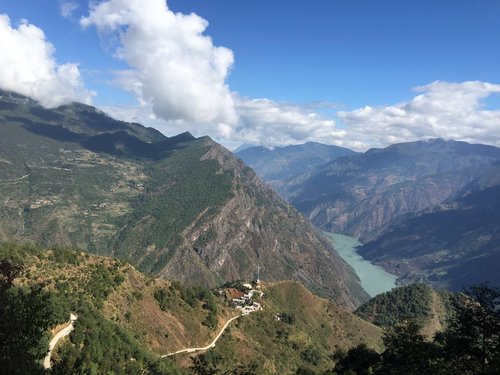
(179, 207)
(414, 302)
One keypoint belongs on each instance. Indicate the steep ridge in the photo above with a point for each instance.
(451, 246)
(179, 207)
(360, 195)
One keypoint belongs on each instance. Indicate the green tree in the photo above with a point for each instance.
(359, 360)
(407, 352)
(26, 314)
(471, 342)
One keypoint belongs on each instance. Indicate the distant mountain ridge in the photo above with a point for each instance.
(181, 207)
(451, 246)
(280, 163)
(361, 194)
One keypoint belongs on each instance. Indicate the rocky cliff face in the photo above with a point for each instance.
(180, 207)
(256, 228)
(360, 195)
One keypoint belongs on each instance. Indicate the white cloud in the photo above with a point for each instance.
(442, 109)
(262, 122)
(27, 66)
(269, 123)
(178, 75)
(174, 66)
(67, 8)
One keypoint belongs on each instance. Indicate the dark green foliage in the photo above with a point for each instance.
(192, 296)
(209, 364)
(305, 371)
(8, 272)
(287, 318)
(236, 284)
(14, 253)
(311, 355)
(210, 305)
(164, 297)
(26, 314)
(472, 340)
(181, 188)
(102, 282)
(61, 254)
(469, 345)
(410, 302)
(98, 346)
(360, 360)
(407, 352)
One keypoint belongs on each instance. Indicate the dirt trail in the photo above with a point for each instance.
(62, 333)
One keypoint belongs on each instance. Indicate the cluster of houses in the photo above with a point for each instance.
(244, 301)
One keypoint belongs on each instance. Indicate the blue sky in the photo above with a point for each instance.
(341, 72)
(352, 52)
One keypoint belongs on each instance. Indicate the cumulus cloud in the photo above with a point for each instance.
(27, 66)
(67, 8)
(442, 109)
(261, 122)
(179, 78)
(174, 66)
(269, 123)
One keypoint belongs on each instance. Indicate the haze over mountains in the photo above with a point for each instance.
(179, 207)
(281, 163)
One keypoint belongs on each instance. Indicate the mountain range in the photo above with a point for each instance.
(360, 195)
(189, 214)
(427, 210)
(182, 207)
(450, 246)
(280, 163)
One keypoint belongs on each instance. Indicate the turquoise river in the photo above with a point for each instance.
(374, 279)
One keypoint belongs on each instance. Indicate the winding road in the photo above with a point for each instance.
(62, 333)
(211, 345)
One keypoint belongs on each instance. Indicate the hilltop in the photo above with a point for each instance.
(295, 331)
(415, 302)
